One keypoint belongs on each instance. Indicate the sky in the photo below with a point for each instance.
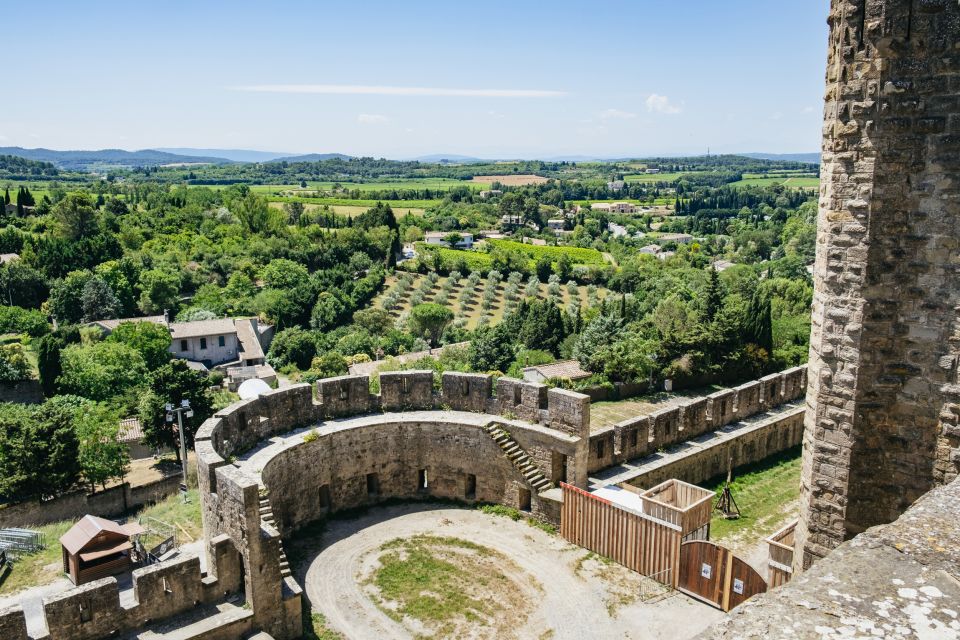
(598, 78)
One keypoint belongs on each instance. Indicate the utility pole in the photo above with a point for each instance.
(181, 411)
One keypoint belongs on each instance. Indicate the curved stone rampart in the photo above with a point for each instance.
(257, 448)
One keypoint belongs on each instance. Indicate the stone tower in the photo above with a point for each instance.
(883, 397)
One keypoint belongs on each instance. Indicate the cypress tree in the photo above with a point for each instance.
(6, 196)
(759, 326)
(714, 298)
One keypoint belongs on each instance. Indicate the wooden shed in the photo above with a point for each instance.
(95, 548)
(683, 504)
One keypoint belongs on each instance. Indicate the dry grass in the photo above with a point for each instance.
(445, 587)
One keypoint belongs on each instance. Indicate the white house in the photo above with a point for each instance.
(212, 343)
(616, 185)
(440, 238)
(679, 238)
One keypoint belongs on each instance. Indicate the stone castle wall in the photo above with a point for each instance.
(710, 459)
(449, 452)
(883, 394)
(93, 611)
(643, 435)
(368, 460)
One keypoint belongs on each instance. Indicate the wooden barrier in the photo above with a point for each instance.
(780, 556)
(638, 542)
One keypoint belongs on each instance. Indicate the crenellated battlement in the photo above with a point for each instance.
(94, 610)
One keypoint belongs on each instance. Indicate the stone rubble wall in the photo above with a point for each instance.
(314, 477)
(93, 611)
(643, 435)
(107, 503)
(885, 331)
(708, 459)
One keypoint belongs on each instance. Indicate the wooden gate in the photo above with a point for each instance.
(713, 574)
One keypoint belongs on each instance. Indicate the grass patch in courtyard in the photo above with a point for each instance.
(446, 587)
(765, 491)
(47, 565)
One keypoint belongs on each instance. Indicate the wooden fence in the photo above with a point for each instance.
(636, 541)
(780, 556)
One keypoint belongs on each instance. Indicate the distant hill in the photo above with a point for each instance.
(812, 158)
(449, 157)
(235, 155)
(312, 157)
(106, 158)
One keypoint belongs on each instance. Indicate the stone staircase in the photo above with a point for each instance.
(266, 515)
(518, 457)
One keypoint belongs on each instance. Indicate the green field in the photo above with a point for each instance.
(347, 202)
(354, 210)
(653, 177)
(578, 255)
(795, 182)
(767, 493)
(467, 302)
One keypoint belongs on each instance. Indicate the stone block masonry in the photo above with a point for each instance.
(885, 340)
(708, 455)
(643, 435)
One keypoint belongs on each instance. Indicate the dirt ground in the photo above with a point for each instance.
(582, 596)
(511, 180)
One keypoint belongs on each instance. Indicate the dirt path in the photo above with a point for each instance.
(574, 604)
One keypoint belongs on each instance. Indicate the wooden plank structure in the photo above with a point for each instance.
(712, 573)
(682, 504)
(95, 548)
(635, 540)
(780, 556)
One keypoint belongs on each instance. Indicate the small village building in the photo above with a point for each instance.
(437, 238)
(131, 436)
(679, 238)
(493, 234)
(564, 370)
(210, 343)
(490, 193)
(7, 258)
(722, 265)
(95, 548)
(556, 224)
(616, 185)
(650, 249)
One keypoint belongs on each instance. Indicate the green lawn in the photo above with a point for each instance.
(795, 182)
(653, 177)
(766, 492)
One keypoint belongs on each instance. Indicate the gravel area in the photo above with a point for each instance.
(581, 598)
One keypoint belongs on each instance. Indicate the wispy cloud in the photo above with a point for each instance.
(371, 118)
(808, 110)
(661, 104)
(616, 114)
(374, 90)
